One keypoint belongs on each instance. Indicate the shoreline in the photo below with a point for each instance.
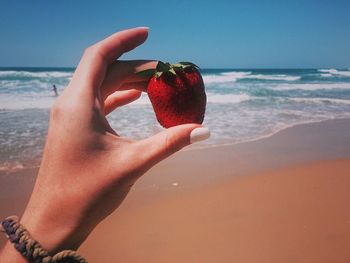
(297, 145)
(195, 174)
(205, 146)
(323, 140)
(4, 170)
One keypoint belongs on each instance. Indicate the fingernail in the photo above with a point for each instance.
(199, 134)
(143, 27)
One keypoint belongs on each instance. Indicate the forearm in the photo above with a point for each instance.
(10, 255)
(46, 223)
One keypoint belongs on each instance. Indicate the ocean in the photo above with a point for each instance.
(243, 105)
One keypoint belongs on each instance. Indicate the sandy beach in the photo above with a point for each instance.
(271, 82)
(284, 198)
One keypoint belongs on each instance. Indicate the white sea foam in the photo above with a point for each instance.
(11, 167)
(249, 75)
(39, 100)
(327, 70)
(274, 77)
(28, 86)
(237, 74)
(311, 86)
(321, 100)
(33, 100)
(233, 112)
(234, 76)
(333, 71)
(42, 74)
(224, 77)
(227, 98)
(13, 102)
(326, 75)
(211, 98)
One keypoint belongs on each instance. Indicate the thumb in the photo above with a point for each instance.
(169, 141)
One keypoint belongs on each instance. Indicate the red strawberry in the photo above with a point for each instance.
(177, 93)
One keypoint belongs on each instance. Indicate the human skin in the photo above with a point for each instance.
(87, 168)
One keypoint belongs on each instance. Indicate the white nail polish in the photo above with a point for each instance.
(143, 27)
(199, 134)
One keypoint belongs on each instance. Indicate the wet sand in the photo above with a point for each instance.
(280, 199)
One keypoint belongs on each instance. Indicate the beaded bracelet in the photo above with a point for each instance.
(31, 249)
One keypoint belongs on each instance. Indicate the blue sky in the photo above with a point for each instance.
(220, 34)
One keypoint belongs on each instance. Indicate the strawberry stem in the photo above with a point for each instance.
(165, 68)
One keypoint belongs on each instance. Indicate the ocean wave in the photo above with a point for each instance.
(224, 77)
(322, 100)
(36, 101)
(30, 74)
(326, 75)
(274, 77)
(234, 76)
(13, 102)
(249, 75)
(39, 100)
(336, 72)
(311, 86)
(227, 98)
(242, 105)
(9, 167)
(211, 98)
(237, 74)
(27, 86)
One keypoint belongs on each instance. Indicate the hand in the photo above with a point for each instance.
(87, 169)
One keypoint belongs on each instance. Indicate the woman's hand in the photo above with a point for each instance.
(87, 169)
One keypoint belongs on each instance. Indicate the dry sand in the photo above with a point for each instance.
(299, 214)
(285, 198)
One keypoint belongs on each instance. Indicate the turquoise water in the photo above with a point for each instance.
(242, 105)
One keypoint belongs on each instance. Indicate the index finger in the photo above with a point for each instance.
(93, 65)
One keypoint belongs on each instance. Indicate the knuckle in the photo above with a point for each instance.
(56, 110)
(119, 42)
(93, 51)
(170, 143)
(89, 50)
(61, 109)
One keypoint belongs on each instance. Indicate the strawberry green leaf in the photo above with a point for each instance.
(172, 71)
(158, 74)
(189, 64)
(147, 73)
(162, 67)
(178, 66)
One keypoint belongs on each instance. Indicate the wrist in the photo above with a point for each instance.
(51, 231)
(53, 224)
(25, 246)
(10, 255)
